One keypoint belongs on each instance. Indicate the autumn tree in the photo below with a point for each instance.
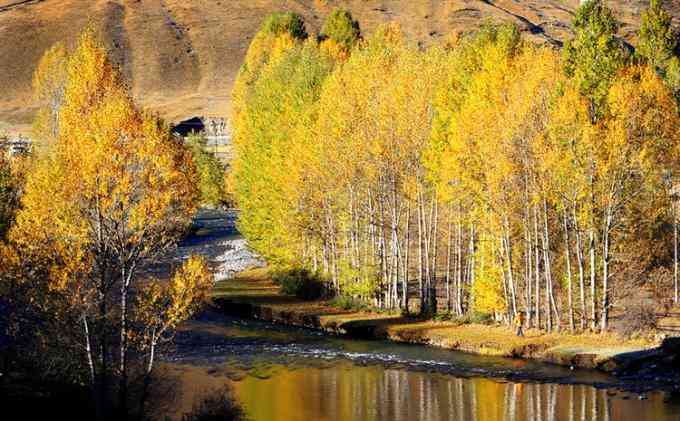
(272, 147)
(594, 55)
(49, 83)
(633, 155)
(658, 39)
(340, 31)
(657, 46)
(378, 206)
(11, 180)
(210, 171)
(121, 191)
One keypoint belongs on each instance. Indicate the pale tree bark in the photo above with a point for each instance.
(435, 249)
(421, 268)
(449, 297)
(508, 258)
(459, 267)
(593, 288)
(471, 264)
(500, 257)
(528, 261)
(405, 278)
(606, 229)
(88, 349)
(546, 273)
(537, 272)
(581, 271)
(567, 259)
(551, 290)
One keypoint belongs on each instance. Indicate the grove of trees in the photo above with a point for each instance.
(484, 175)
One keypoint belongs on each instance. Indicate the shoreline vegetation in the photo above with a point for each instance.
(253, 294)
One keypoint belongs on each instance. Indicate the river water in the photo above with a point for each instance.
(283, 373)
(288, 374)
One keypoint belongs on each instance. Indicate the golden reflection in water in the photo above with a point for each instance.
(347, 392)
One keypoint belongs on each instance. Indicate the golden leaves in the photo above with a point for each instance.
(113, 179)
(161, 305)
(488, 124)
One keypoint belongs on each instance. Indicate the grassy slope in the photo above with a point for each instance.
(182, 56)
(262, 297)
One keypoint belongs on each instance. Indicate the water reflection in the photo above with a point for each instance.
(347, 392)
(288, 374)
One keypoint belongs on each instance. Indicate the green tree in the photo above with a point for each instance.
(341, 28)
(658, 40)
(658, 44)
(285, 23)
(279, 33)
(209, 170)
(272, 141)
(594, 55)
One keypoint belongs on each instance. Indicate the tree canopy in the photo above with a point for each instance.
(493, 173)
(108, 193)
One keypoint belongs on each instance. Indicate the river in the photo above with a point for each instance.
(285, 373)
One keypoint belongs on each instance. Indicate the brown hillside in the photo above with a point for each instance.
(181, 56)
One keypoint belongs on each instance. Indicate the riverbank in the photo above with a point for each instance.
(252, 294)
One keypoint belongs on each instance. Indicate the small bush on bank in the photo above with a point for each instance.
(475, 318)
(443, 316)
(466, 319)
(638, 320)
(219, 406)
(346, 302)
(300, 282)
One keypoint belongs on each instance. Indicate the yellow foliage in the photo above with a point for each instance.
(112, 190)
(353, 170)
(488, 287)
(162, 305)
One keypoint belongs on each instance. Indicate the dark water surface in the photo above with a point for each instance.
(281, 373)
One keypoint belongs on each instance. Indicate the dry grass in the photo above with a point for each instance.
(584, 350)
(182, 56)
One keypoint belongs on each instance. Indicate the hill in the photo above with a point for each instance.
(182, 56)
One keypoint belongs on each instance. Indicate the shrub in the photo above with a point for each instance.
(209, 170)
(640, 318)
(341, 28)
(300, 282)
(478, 318)
(347, 302)
(441, 317)
(219, 406)
(466, 319)
(285, 22)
